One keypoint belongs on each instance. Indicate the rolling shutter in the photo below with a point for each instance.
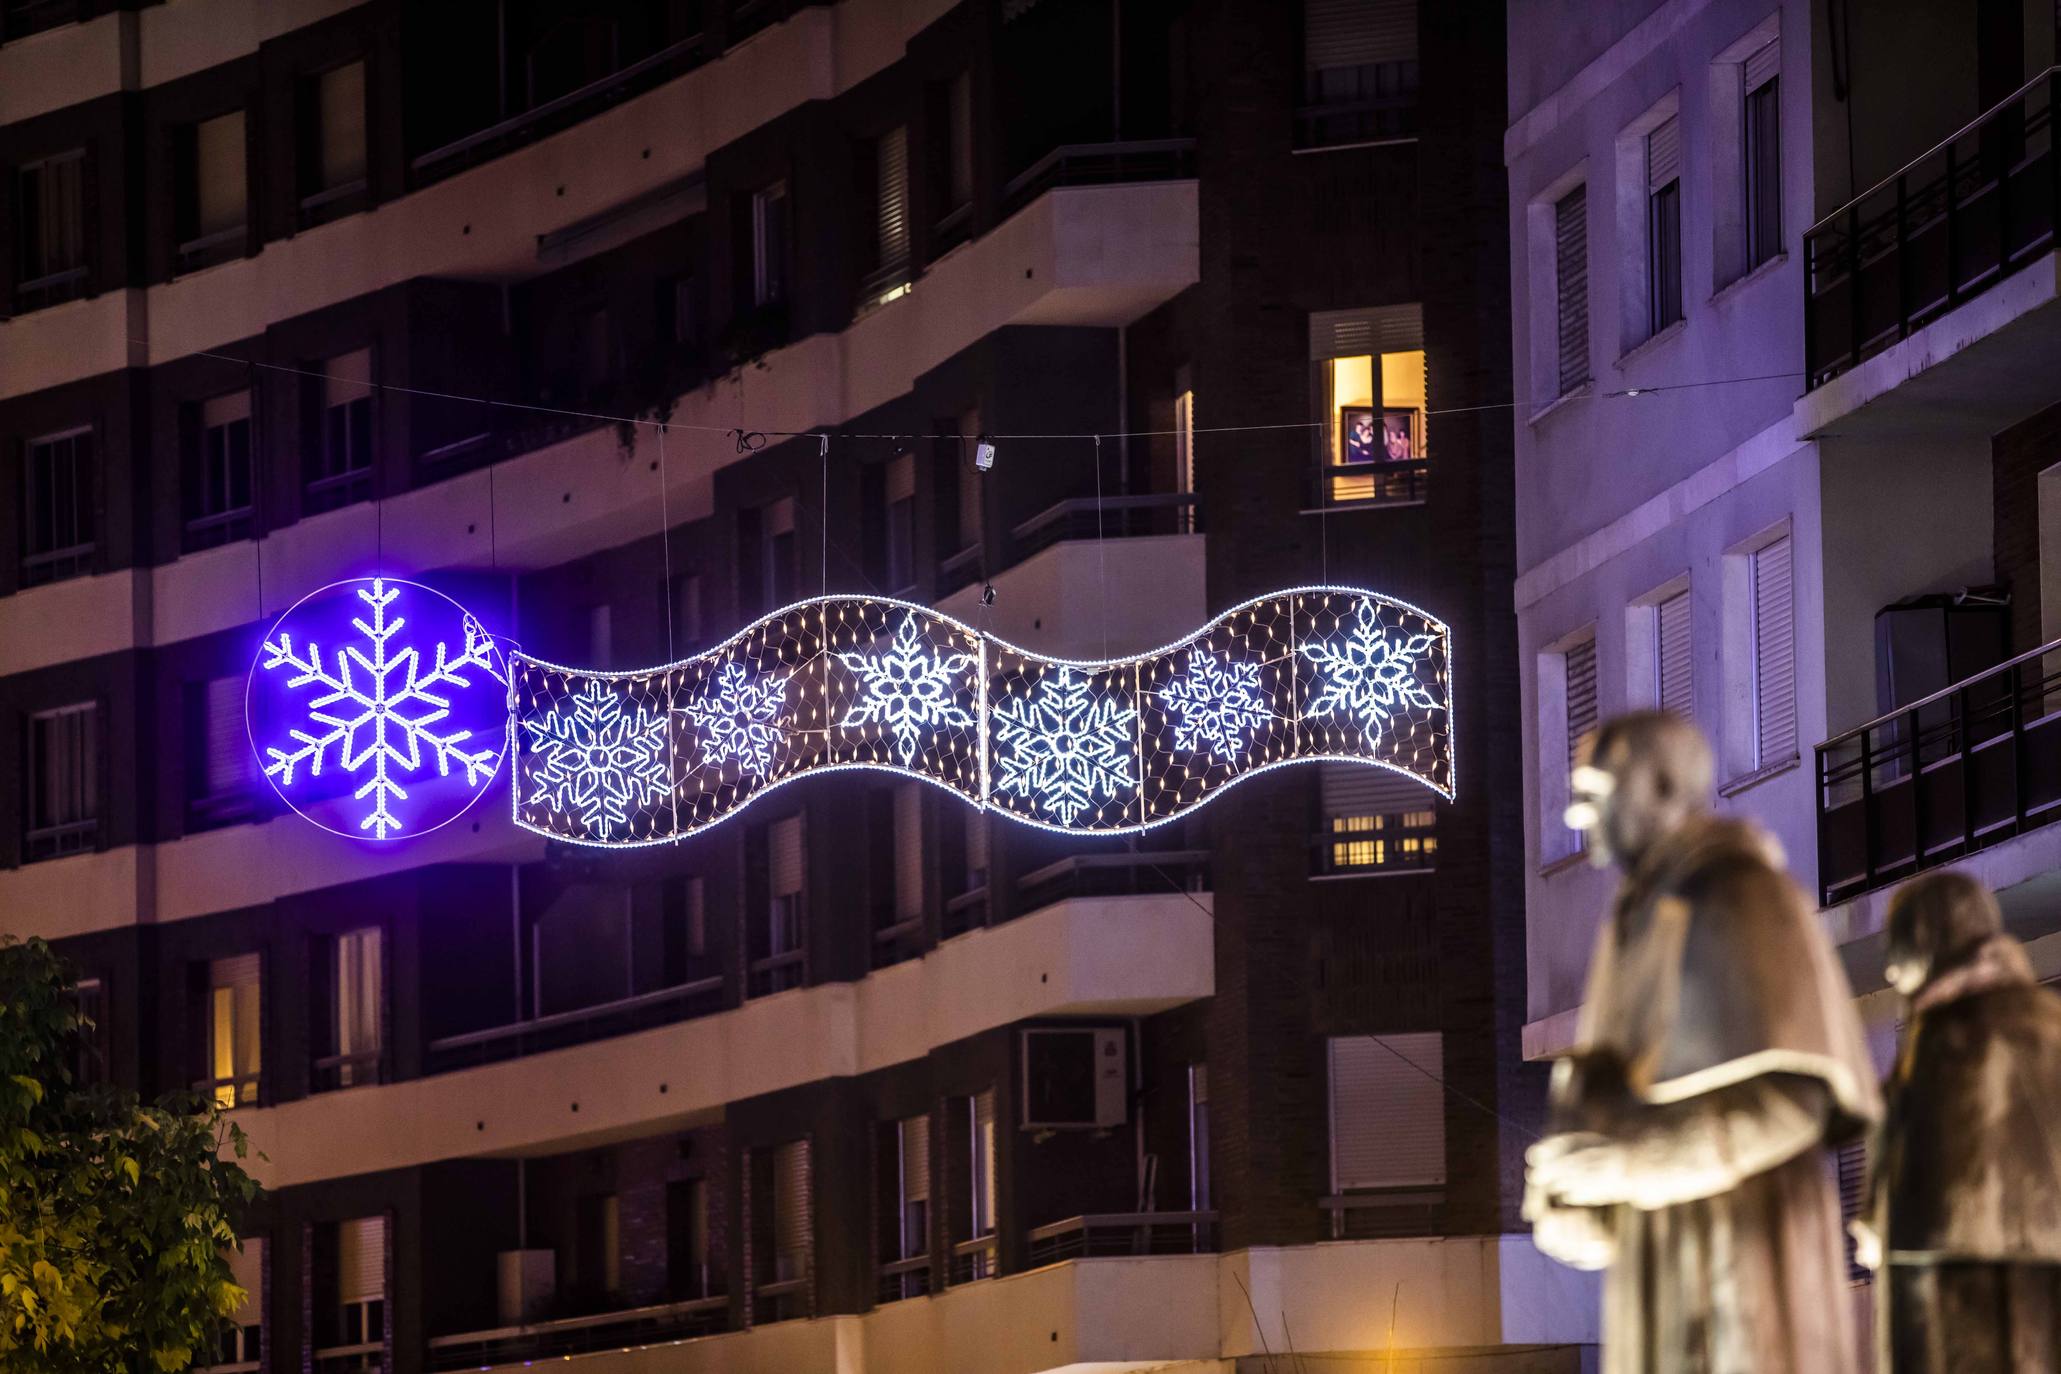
(341, 123)
(1388, 1121)
(891, 158)
(357, 992)
(1354, 789)
(1358, 33)
(1774, 655)
(1581, 695)
(901, 478)
(230, 767)
(219, 152)
(1372, 329)
(1764, 65)
(784, 856)
(983, 1162)
(361, 1259)
(1675, 690)
(1664, 154)
(1571, 276)
(908, 851)
(915, 1159)
(247, 1271)
(1851, 1164)
(791, 1210)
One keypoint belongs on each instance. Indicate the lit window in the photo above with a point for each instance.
(234, 1040)
(1377, 416)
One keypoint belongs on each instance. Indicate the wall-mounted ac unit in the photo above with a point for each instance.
(1075, 1078)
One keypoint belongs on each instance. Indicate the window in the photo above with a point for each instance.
(1571, 286)
(975, 1254)
(1198, 1138)
(767, 557)
(218, 490)
(1359, 72)
(782, 1239)
(212, 203)
(689, 1273)
(356, 1326)
(594, 337)
(64, 782)
(90, 1063)
(233, 1035)
(679, 321)
(1761, 141)
(600, 634)
(777, 937)
(909, 865)
(1374, 820)
(906, 1234)
(1388, 1111)
(769, 227)
(50, 230)
(243, 1345)
(1184, 446)
(1774, 655)
(340, 462)
(1673, 681)
(901, 523)
(1664, 226)
(694, 916)
(1371, 396)
(971, 484)
(686, 612)
(1567, 712)
(356, 976)
(959, 142)
(597, 1254)
(889, 277)
(333, 136)
(221, 772)
(58, 516)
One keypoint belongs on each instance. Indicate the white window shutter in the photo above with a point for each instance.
(891, 157)
(1774, 654)
(230, 766)
(1371, 329)
(1664, 154)
(1764, 65)
(219, 154)
(792, 1235)
(1354, 789)
(915, 1132)
(361, 1259)
(784, 855)
(1571, 282)
(1388, 1123)
(358, 991)
(340, 93)
(1581, 695)
(1675, 691)
(983, 1179)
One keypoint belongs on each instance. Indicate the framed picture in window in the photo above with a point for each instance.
(1360, 429)
(1398, 436)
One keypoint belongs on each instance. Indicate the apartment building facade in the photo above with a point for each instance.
(1783, 344)
(815, 1089)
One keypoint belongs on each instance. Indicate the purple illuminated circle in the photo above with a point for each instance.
(378, 708)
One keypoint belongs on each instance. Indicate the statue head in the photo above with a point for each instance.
(1636, 779)
(1937, 921)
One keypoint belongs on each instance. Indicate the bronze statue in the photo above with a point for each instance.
(1964, 1196)
(1717, 1054)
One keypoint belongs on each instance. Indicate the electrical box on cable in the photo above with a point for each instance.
(1075, 1078)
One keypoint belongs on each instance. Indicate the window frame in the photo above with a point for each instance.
(61, 561)
(1557, 742)
(52, 837)
(37, 283)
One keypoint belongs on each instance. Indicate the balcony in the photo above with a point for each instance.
(1070, 597)
(568, 1336)
(1948, 226)
(1966, 768)
(1101, 164)
(1124, 1233)
(578, 1027)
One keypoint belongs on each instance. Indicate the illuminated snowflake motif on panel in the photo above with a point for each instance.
(738, 718)
(377, 708)
(1371, 675)
(909, 688)
(1214, 704)
(1061, 748)
(599, 757)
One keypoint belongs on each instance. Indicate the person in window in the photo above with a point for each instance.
(1963, 1213)
(1716, 1057)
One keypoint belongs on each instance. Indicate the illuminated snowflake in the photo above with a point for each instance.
(740, 719)
(1061, 748)
(600, 756)
(1214, 704)
(1372, 675)
(909, 688)
(377, 709)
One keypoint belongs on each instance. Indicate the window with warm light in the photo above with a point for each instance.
(1375, 415)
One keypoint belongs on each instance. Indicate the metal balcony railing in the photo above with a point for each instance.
(1128, 873)
(903, 1278)
(1101, 164)
(1124, 1233)
(1969, 766)
(577, 1027)
(978, 1258)
(1945, 227)
(671, 1321)
(1384, 1213)
(1112, 517)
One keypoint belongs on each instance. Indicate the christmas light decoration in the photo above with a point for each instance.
(1315, 673)
(398, 728)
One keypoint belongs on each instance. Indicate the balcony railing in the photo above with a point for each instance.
(1945, 227)
(1404, 483)
(334, 1072)
(1128, 873)
(1385, 1213)
(672, 1321)
(1101, 164)
(55, 565)
(55, 841)
(577, 1027)
(208, 531)
(979, 1258)
(366, 1357)
(1352, 107)
(1124, 1233)
(903, 1278)
(1112, 517)
(962, 569)
(52, 288)
(1969, 766)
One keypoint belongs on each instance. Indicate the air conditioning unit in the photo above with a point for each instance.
(1075, 1078)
